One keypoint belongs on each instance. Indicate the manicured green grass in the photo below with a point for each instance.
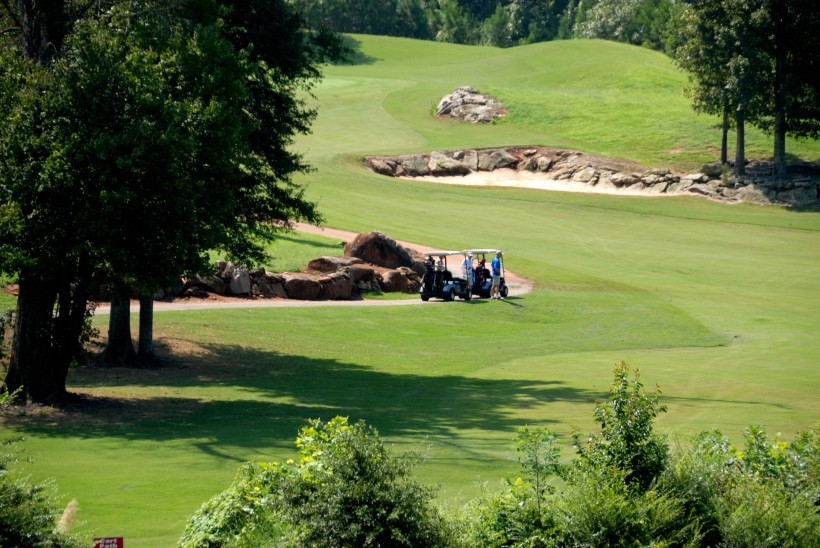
(717, 304)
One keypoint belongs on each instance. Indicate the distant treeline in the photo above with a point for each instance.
(501, 23)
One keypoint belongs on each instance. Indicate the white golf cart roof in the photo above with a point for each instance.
(480, 251)
(444, 253)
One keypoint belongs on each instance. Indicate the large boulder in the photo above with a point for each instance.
(337, 287)
(490, 160)
(240, 281)
(415, 165)
(442, 165)
(332, 264)
(361, 273)
(380, 250)
(211, 284)
(394, 281)
(302, 286)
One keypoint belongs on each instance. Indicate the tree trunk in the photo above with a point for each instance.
(146, 338)
(780, 92)
(724, 140)
(740, 148)
(31, 360)
(43, 26)
(69, 324)
(119, 350)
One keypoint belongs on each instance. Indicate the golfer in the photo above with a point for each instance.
(496, 268)
(467, 269)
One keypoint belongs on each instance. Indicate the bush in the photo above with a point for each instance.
(599, 508)
(765, 495)
(346, 490)
(237, 517)
(627, 442)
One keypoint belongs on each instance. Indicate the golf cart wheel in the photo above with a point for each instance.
(468, 295)
(451, 295)
(503, 291)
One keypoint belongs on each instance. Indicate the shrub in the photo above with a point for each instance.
(599, 508)
(765, 495)
(627, 442)
(347, 489)
(237, 517)
(759, 514)
(351, 491)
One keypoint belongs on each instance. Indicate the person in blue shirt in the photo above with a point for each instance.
(496, 269)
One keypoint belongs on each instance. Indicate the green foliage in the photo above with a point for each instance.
(538, 455)
(598, 508)
(155, 135)
(745, 57)
(500, 23)
(5, 327)
(28, 513)
(237, 517)
(627, 442)
(347, 489)
(511, 518)
(765, 495)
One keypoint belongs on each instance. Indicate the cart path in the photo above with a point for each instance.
(516, 284)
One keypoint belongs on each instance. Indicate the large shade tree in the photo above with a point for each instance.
(153, 133)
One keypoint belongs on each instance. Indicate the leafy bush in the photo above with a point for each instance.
(765, 495)
(237, 517)
(599, 508)
(627, 442)
(28, 513)
(346, 490)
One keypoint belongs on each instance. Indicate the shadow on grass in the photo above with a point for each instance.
(253, 399)
(356, 56)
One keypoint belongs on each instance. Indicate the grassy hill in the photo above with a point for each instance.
(715, 303)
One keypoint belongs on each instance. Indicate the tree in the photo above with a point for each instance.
(535, 21)
(495, 30)
(758, 61)
(794, 26)
(716, 50)
(454, 24)
(158, 133)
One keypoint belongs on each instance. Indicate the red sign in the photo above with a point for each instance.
(108, 542)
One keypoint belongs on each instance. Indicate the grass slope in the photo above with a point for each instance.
(717, 304)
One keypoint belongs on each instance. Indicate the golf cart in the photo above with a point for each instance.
(483, 280)
(439, 282)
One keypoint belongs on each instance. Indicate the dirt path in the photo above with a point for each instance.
(517, 286)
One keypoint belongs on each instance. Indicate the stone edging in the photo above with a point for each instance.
(802, 190)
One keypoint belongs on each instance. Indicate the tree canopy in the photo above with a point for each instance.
(155, 133)
(502, 23)
(756, 60)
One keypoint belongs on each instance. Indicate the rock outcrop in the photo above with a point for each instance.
(801, 189)
(372, 263)
(465, 103)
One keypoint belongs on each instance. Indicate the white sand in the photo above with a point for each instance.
(506, 177)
